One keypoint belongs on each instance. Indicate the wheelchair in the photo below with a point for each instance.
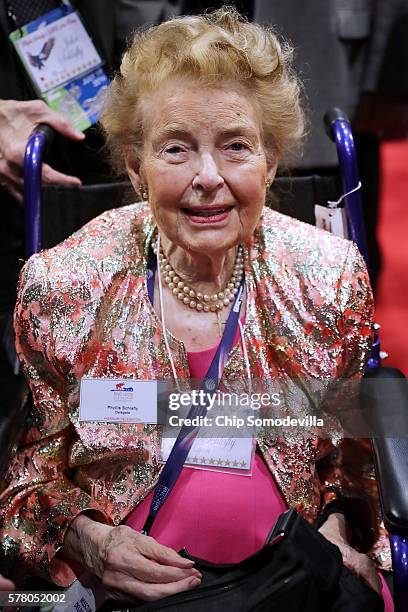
(55, 212)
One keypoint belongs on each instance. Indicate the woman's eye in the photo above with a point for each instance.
(238, 146)
(174, 150)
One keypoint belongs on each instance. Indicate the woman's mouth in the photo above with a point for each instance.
(207, 215)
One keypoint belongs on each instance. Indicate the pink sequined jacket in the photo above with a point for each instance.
(83, 309)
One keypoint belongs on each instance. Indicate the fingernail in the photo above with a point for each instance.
(79, 134)
(196, 573)
(195, 582)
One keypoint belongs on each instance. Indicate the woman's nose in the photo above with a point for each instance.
(208, 176)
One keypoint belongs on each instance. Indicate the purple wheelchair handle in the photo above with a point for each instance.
(339, 130)
(374, 360)
(399, 553)
(34, 153)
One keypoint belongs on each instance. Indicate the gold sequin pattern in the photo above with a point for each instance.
(83, 310)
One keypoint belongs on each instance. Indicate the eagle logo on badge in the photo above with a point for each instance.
(38, 61)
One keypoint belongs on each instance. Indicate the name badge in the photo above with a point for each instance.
(63, 65)
(109, 400)
(232, 455)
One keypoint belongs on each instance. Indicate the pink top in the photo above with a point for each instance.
(217, 516)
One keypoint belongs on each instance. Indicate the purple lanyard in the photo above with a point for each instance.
(188, 433)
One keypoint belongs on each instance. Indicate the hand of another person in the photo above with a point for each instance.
(17, 121)
(6, 585)
(129, 564)
(334, 530)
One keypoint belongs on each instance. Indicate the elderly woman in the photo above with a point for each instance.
(203, 110)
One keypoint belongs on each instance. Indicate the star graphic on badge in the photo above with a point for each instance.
(227, 462)
(203, 460)
(243, 464)
(235, 464)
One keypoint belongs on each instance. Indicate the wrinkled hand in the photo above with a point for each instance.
(17, 121)
(130, 565)
(334, 530)
(6, 585)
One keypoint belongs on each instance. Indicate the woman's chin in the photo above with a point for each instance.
(210, 244)
(210, 237)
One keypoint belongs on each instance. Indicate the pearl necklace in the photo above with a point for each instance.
(202, 301)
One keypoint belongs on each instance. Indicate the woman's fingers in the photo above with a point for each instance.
(151, 592)
(13, 188)
(53, 177)
(11, 178)
(120, 587)
(61, 125)
(334, 529)
(21, 117)
(145, 546)
(11, 175)
(364, 568)
(361, 566)
(17, 121)
(131, 561)
(162, 554)
(6, 584)
(372, 579)
(127, 562)
(16, 194)
(150, 571)
(139, 567)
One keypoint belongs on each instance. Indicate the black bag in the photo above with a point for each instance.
(298, 571)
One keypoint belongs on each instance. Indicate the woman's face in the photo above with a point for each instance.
(204, 165)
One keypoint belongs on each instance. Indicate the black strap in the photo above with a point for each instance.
(21, 12)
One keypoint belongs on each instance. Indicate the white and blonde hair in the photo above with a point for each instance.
(213, 48)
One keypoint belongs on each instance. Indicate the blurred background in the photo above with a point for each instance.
(354, 54)
(392, 293)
